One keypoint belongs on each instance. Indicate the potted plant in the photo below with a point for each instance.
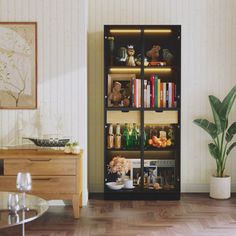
(222, 136)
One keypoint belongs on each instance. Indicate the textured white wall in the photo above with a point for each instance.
(62, 73)
(208, 67)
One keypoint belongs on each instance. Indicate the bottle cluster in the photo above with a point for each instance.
(126, 137)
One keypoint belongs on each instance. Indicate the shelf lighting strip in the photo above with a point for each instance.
(138, 70)
(135, 31)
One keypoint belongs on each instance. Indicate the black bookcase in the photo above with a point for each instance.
(149, 97)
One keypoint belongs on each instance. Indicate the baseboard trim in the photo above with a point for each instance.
(200, 188)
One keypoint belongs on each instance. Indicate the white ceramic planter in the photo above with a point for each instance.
(220, 187)
(67, 149)
(76, 149)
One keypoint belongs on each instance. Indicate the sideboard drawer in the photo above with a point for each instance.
(41, 166)
(45, 184)
(53, 184)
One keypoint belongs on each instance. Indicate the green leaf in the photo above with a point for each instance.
(230, 132)
(230, 148)
(214, 151)
(227, 104)
(215, 107)
(208, 126)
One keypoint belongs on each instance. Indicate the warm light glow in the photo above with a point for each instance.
(158, 31)
(123, 31)
(154, 70)
(138, 70)
(125, 69)
(150, 31)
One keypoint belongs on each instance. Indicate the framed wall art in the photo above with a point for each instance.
(18, 65)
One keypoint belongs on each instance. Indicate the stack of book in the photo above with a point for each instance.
(159, 94)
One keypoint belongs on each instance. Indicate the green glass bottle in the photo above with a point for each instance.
(126, 137)
(145, 138)
(134, 137)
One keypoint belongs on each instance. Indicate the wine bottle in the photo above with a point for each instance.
(118, 137)
(110, 138)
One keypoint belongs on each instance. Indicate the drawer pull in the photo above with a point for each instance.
(45, 179)
(35, 160)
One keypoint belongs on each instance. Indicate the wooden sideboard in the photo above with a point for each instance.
(55, 175)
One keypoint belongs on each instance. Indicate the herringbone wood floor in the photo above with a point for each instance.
(194, 214)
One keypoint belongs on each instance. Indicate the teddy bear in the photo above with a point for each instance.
(154, 53)
(115, 96)
(130, 59)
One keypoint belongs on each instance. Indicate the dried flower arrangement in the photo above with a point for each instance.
(119, 165)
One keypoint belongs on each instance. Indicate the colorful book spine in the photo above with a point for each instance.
(153, 91)
(158, 93)
(161, 95)
(145, 93)
(167, 95)
(132, 95)
(173, 95)
(139, 92)
(164, 94)
(169, 99)
(148, 95)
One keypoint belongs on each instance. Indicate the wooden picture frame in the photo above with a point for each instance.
(122, 78)
(18, 65)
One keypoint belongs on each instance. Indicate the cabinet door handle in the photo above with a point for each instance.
(35, 160)
(44, 179)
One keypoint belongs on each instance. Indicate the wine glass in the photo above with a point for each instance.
(23, 184)
(13, 203)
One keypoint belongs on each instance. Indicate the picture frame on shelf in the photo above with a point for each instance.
(18, 65)
(125, 89)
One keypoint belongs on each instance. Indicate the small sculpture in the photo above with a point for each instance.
(122, 54)
(115, 96)
(154, 53)
(130, 59)
(168, 56)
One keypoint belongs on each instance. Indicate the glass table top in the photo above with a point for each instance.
(35, 207)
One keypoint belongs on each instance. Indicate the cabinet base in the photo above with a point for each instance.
(141, 196)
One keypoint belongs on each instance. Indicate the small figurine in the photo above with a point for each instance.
(115, 96)
(122, 54)
(130, 59)
(154, 53)
(138, 60)
(168, 56)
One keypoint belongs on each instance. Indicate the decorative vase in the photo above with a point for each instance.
(75, 149)
(220, 187)
(122, 177)
(67, 149)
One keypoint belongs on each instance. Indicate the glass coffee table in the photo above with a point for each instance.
(35, 207)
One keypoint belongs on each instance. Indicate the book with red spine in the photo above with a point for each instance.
(173, 94)
(139, 92)
(152, 91)
(169, 99)
(145, 94)
(148, 95)
(159, 93)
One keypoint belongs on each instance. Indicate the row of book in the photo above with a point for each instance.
(157, 94)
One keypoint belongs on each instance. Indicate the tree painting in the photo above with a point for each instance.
(18, 65)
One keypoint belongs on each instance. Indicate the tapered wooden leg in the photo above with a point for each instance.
(80, 202)
(76, 205)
